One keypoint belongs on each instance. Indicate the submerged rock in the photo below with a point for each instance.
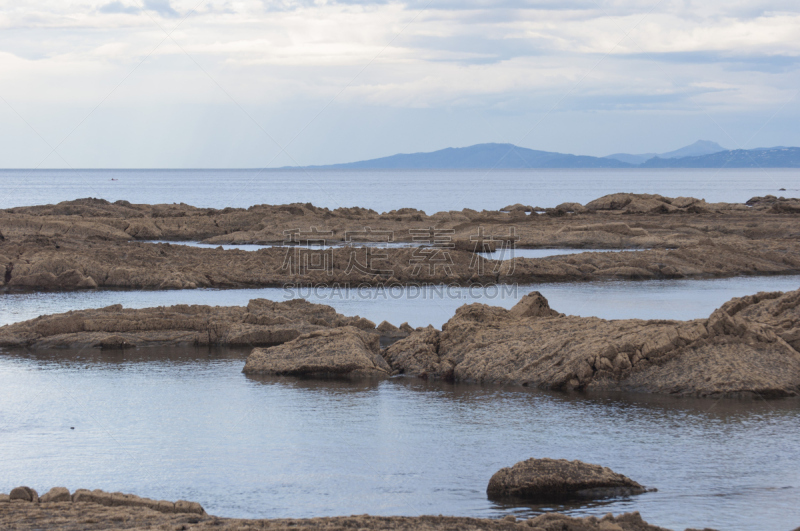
(748, 347)
(558, 480)
(341, 352)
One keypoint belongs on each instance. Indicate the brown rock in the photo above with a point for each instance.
(341, 352)
(56, 494)
(83, 516)
(85, 243)
(548, 480)
(24, 494)
(748, 347)
(118, 499)
(261, 323)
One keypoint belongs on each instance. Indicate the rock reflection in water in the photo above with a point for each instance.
(186, 423)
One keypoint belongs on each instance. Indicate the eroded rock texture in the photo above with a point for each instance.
(559, 480)
(340, 352)
(261, 322)
(749, 346)
(88, 243)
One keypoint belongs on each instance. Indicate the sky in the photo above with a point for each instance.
(260, 83)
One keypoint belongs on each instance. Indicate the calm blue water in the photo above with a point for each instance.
(185, 423)
(431, 191)
(658, 299)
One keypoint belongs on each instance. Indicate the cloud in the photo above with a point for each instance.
(118, 7)
(505, 58)
(162, 7)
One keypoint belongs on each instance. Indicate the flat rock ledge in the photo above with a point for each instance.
(346, 352)
(108, 499)
(261, 323)
(556, 480)
(23, 516)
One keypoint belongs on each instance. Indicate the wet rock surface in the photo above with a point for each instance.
(261, 322)
(559, 480)
(337, 353)
(748, 347)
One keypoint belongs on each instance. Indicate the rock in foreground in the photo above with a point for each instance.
(341, 352)
(92, 515)
(557, 480)
(748, 347)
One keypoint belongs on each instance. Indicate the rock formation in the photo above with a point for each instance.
(559, 480)
(88, 243)
(94, 510)
(108, 499)
(748, 347)
(45, 264)
(341, 352)
(262, 322)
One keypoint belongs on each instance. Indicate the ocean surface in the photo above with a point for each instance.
(431, 191)
(186, 423)
(424, 305)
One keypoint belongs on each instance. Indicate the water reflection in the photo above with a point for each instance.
(186, 423)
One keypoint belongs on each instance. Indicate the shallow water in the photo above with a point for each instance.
(431, 191)
(500, 254)
(421, 306)
(185, 423)
(256, 247)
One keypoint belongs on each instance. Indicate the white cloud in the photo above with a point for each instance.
(690, 56)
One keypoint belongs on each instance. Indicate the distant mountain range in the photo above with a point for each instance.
(701, 154)
(699, 148)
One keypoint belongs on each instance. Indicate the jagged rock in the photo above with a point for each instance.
(57, 494)
(341, 352)
(24, 494)
(558, 480)
(748, 347)
(261, 323)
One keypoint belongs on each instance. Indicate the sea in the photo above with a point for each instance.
(185, 423)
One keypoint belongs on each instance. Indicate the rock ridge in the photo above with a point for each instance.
(748, 347)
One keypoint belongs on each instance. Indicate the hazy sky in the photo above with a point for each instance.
(253, 83)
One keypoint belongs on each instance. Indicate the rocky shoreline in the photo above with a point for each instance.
(94, 510)
(750, 346)
(90, 243)
(42, 264)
